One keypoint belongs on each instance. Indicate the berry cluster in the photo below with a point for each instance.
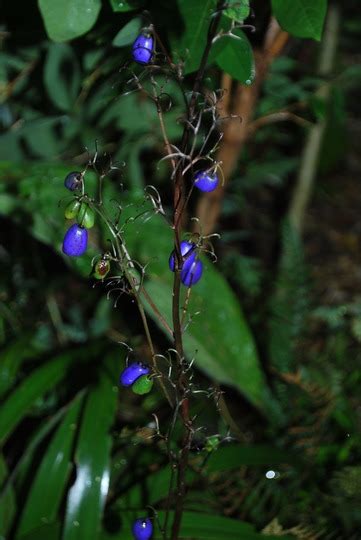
(136, 376)
(75, 240)
(192, 267)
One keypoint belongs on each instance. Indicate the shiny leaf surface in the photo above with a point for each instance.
(47, 489)
(87, 495)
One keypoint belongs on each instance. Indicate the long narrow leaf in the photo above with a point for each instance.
(87, 496)
(35, 386)
(47, 489)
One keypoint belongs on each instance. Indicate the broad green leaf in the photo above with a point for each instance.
(302, 18)
(235, 456)
(196, 18)
(212, 527)
(228, 354)
(125, 5)
(128, 33)
(47, 489)
(61, 90)
(36, 385)
(87, 495)
(234, 55)
(68, 19)
(7, 502)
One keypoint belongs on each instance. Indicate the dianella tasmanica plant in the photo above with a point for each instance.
(192, 167)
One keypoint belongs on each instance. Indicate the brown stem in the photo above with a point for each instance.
(179, 208)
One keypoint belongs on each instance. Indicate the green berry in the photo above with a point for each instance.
(212, 443)
(143, 385)
(86, 216)
(72, 209)
(101, 269)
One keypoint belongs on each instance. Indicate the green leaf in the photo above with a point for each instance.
(234, 456)
(68, 19)
(228, 355)
(196, 17)
(234, 55)
(47, 489)
(212, 527)
(302, 18)
(125, 5)
(128, 33)
(199, 526)
(87, 496)
(62, 90)
(36, 385)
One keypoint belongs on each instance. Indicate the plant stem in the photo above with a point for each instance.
(122, 253)
(179, 207)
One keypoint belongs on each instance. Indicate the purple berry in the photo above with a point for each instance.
(73, 181)
(188, 251)
(142, 50)
(205, 181)
(142, 529)
(192, 274)
(75, 241)
(131, 373)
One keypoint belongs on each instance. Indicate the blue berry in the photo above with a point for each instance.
(192, 274)
(131, 373)
(142, 50)
(142, 529)
(188, 253)
(205, 181)
(73, 181)
(75, 241)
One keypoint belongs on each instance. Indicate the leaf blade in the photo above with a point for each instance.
(67, 19)
(302, 18)
(86, 497)
(20, 401)
(47, 488)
